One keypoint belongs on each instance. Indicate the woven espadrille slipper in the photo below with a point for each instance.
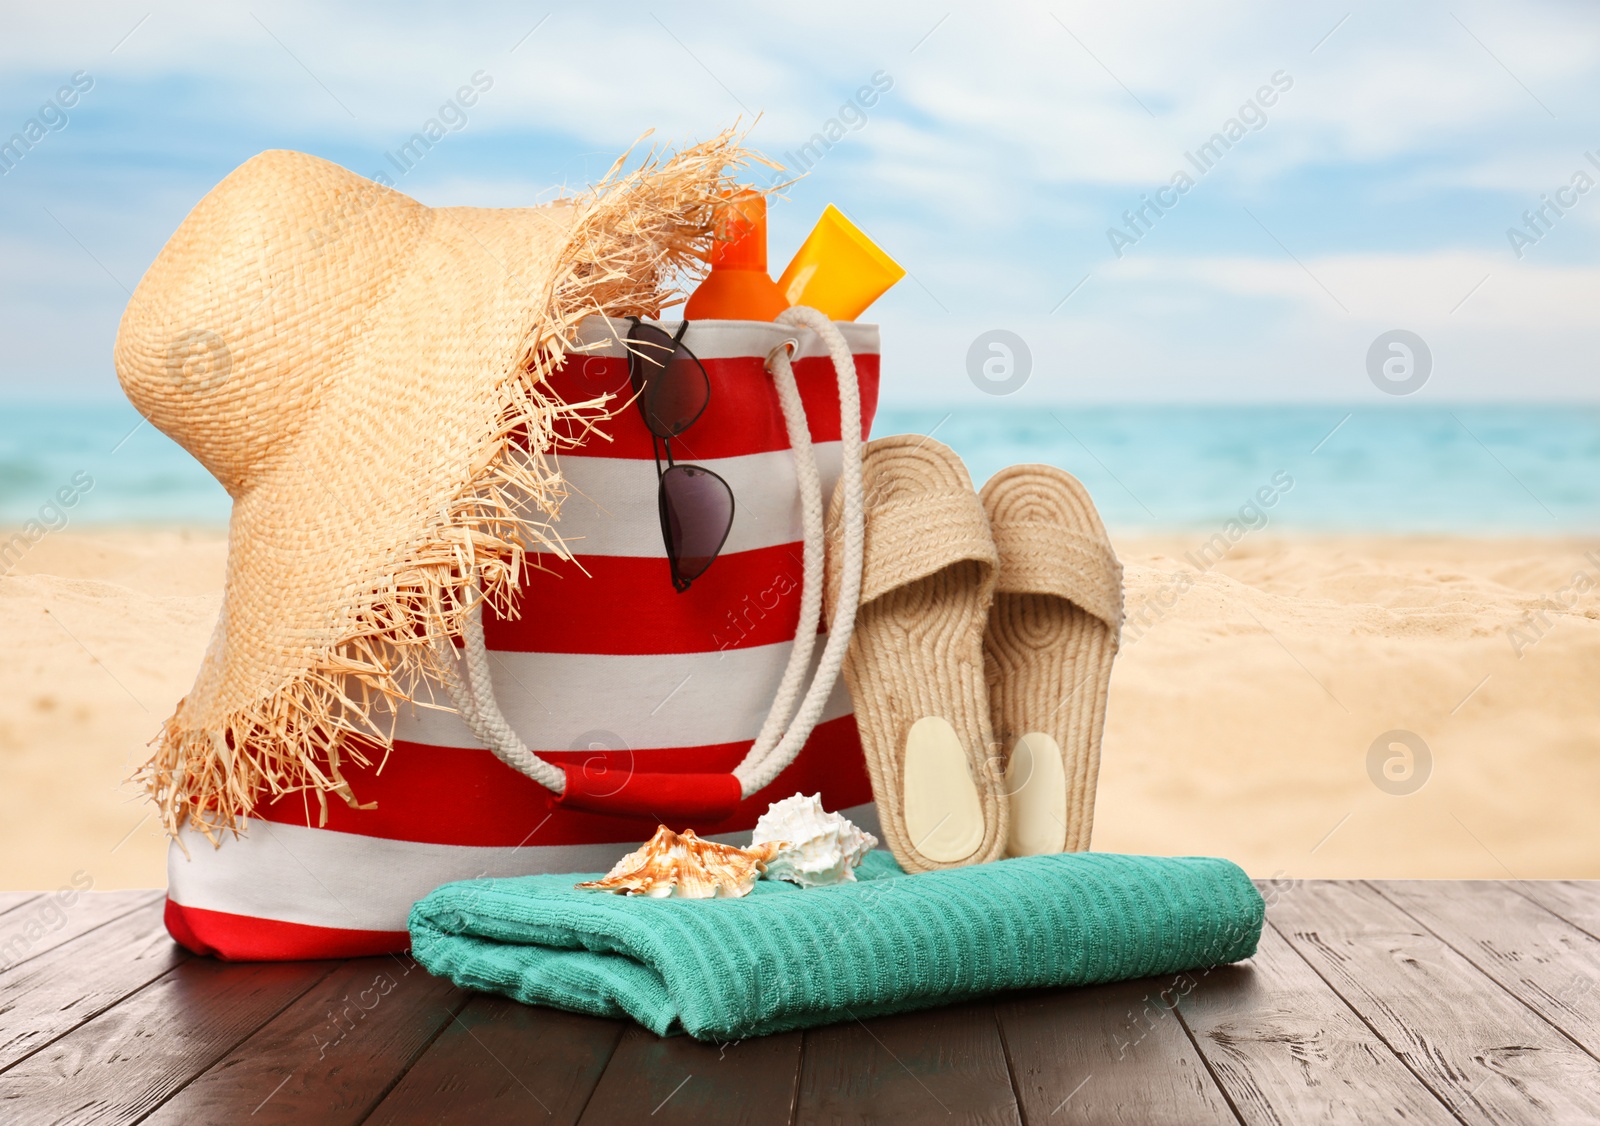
(1052, 635)
(915, 667)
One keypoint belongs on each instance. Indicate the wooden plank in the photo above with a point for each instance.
(1541, 959)
(937, 1065)
(331, 1055)
(125, 1062)
(11, 900)
(1286, 1048)
(503, 1062)
(1485, 1055)
(1576, 901)
(51, 920)
(679, 1080)
(1106, 1053)
(50, 995)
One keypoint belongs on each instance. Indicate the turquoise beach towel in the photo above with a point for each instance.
(783, 957)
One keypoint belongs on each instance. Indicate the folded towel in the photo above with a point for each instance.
(784, 958)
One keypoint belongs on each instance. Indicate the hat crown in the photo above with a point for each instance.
(231, 334)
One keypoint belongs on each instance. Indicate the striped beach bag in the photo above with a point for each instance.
(639, 702)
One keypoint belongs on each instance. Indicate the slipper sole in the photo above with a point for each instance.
(915, 667)
(1051, 639)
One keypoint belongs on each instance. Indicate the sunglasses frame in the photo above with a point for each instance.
(661, 444)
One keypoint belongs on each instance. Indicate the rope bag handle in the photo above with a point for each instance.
(712, 797)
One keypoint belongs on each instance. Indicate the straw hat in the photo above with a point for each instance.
(354, 368)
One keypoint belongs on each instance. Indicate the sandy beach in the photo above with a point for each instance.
(1244, 706)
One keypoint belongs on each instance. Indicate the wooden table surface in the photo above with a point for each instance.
(1368, 1002)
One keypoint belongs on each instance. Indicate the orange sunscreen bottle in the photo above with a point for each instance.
(838, 270)
(738, 288)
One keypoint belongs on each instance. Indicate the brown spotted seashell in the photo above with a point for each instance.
(683, 865)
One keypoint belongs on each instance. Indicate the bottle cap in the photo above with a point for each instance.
(741, 230)
(838, 270)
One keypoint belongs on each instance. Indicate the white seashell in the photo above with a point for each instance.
(683, 865)
(824, 847)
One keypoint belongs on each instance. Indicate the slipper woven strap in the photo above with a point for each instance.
(913, 538)
(1049, 559)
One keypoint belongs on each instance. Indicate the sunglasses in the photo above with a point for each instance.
(672, 390)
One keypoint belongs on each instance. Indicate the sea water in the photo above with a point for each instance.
(1478, 469)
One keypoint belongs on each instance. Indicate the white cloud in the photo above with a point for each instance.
(1006, 146)
(1206, 329)
(1416, 289)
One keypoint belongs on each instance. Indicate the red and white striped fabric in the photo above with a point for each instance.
(608, 665)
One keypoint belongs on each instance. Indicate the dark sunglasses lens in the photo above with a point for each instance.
(648, 350)
(673, 388)
(681, 394)
(699, 513)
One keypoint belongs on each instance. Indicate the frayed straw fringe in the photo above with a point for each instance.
(636, 235)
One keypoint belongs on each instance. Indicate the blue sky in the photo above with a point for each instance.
(1374, 194)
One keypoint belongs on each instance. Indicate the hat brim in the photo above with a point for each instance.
(414, 481)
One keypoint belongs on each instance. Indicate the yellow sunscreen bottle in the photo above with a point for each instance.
(838, 270)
